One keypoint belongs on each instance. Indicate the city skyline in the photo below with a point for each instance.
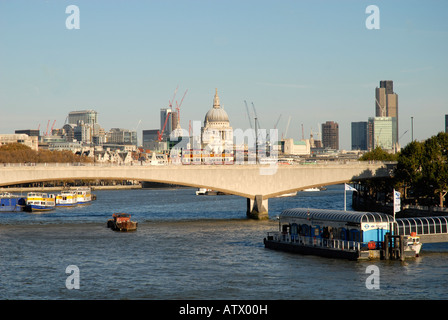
(313, 61)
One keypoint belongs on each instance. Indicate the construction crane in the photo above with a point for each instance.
(172, 100)
(178, 106)
(383, 113)
(256, 116)
(248, 114)
(48, 124)
(160, 134)
(276, 124)
(287, 126)
(51, 131)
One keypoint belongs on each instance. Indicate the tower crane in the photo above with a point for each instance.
(248, 114)
(383, 114)
(287, 126)
(51, 131)
(160, 134)
(48, 124)
(172, 100)
(178, 106)
(276, 124)
(256, 116)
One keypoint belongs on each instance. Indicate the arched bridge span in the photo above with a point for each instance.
(257, 183)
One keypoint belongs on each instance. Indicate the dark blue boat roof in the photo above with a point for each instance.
(336, 215)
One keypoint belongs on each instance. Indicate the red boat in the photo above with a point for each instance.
(121, 222)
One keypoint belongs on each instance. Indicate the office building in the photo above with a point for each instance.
(446, 123)
(330, 135)
(386, 105)
(87, 116)
(359, 135)
(122, 136)
(380, 132)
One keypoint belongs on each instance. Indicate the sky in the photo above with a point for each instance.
(309, 61)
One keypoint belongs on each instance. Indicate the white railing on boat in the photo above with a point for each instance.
(315, 242)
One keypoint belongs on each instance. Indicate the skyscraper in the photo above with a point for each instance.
(446, 123)
(380, 132)
(386, 105)
(359, 135)
(330, 135)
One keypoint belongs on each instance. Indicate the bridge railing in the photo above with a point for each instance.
(316, 242)
(138, 163)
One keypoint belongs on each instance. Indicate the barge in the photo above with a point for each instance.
(11, 203)
(121, 222)
(340, 234)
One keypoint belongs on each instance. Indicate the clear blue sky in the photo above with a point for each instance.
(311, 60)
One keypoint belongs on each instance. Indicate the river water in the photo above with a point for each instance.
(192, 247)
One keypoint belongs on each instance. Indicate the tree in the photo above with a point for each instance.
(435, 167)
(423, 167)
(378, 154)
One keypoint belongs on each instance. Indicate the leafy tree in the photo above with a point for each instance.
(20, 153)
(378, 154)
(423, 167)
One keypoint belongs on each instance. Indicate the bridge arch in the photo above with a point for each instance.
(249, 181)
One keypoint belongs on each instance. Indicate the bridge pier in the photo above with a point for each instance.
(257, 208)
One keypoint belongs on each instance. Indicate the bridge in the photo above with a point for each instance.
(257, 183)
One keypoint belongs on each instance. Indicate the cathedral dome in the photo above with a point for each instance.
(216, 114)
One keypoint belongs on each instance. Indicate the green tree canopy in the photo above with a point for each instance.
(378, 154)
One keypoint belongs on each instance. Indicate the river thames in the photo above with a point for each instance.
(192, 247)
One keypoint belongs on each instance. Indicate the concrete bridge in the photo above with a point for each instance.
(257, 183)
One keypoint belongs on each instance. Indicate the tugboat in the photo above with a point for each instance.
(121, 222)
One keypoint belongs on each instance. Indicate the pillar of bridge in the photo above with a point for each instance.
(257, 208)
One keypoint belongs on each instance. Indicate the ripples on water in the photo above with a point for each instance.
(191, 247)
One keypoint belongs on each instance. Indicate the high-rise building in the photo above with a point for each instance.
(380, 133)
(359, 135)
(446, 123)
(330, 135)
(87, 116)
(166, 122)
(386, 105)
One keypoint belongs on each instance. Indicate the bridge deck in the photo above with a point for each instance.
(429, 229)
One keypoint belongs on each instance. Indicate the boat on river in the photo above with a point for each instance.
(40, 201)
(11, 203)
(84, 195)
(208, 192)
(122, 222)
(66, 199)
(340, 234)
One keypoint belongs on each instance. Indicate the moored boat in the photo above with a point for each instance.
(84, 195)
(39, 201)
(339, 234)
(11, 203)
(66, 199)
(122, 222)
(208, 192)
(413, 242)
